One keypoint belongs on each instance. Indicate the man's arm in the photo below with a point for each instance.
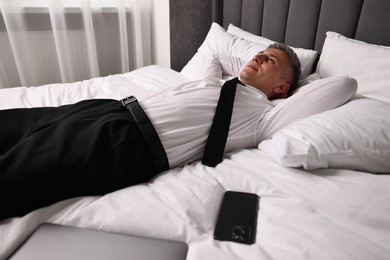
(316, 97)
(223, 64)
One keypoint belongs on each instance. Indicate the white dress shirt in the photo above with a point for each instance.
(182, 115)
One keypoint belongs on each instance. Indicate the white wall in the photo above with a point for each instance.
(161, 54)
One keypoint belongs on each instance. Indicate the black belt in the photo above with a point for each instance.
(148, 132)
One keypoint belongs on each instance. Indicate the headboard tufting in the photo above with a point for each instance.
(299, 23)
(303, 23)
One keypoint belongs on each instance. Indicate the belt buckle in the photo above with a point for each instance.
(128, 100)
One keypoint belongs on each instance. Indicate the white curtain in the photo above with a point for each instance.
(53, 41)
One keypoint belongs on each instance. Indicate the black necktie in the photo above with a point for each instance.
(219, 130)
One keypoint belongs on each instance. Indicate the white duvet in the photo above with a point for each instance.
(319, 214)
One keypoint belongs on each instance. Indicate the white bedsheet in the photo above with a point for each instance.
(321, 214)
(137, 83)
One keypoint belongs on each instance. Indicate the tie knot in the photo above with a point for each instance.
(237, 81)
(234, 80)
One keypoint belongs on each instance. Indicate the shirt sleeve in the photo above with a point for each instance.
(221, 65)
(213, 72)
(316, 97)
(231, 66)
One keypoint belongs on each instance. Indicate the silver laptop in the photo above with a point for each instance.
(58, 242)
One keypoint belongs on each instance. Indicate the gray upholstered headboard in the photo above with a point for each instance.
(299, 23)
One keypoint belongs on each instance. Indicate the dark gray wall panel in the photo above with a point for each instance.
(340, 16)
(374, 22)
(274, 19)
(232, 12)
(190, 21)
(302, 23)
(252, 16)
(299, 23)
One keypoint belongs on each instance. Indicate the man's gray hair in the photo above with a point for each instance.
(294, 68)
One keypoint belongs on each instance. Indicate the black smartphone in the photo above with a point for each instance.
(237, 218)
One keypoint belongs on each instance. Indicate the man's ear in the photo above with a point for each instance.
(283, 88)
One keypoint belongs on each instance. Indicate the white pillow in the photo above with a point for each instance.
(354, 136)
(218, 41)
(238, 32)
(369, 64)
(306, 57)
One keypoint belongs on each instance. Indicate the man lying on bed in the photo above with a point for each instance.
(94, 147)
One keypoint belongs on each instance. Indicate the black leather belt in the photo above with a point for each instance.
(148, 132)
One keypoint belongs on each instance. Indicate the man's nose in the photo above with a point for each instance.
(259, 58)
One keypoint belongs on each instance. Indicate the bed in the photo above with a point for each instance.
(323, 181)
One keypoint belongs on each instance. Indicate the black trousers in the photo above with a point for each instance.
(54, 153)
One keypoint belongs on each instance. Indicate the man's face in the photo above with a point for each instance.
(265, 71)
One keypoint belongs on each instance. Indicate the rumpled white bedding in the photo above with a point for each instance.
(321, 214)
